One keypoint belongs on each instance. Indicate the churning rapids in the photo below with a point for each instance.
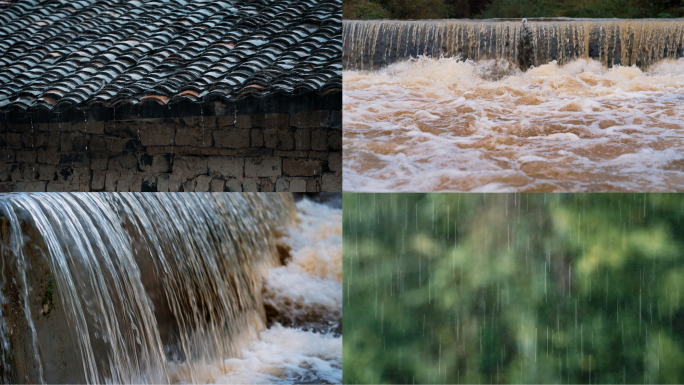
(510, 105)
(169, 288)
(452, 125)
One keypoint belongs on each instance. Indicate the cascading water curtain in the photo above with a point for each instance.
(112, 287)
(373, 44)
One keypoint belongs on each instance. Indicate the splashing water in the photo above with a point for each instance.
(304, 345)
(128, 287)
(447, 124)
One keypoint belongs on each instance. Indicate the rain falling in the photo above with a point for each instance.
(513, 288)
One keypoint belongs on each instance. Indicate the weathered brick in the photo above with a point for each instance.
(60, 127)
(297, 185)
(194, 136)
(225, 152)
(17, 173)
(335, 162)
(14, 141)
(331, 182)
(266, 185)
(66, 142)
(257, 137)
(156, 150)
(125, 161)
(99, 161)
(98, 143)
(335, 139)
(176, 182)
(286, 138)
(55, 186)
(240, 121)
(233, 185)
(149, 184)
(54, 141)
(48, 157)
(125, 179)
(157, 134)
(306, 119)
(81, 143)
(226, 166)
(270, 138)
(312, 185)
(35, 186)
(163, 183)
(4, 172)
(98, 181)
(302, 167)
(232, 138)
(290, 154)
(217, 185)
(8, 156)
(203, 183)
(249, 185)
(189, 185)
(110, 180)
(319, 140)
(282, 184)
(136, 183)
(263, 167)
(29, 172)
(114, 144)
(322, 155)
(160, 163)
(46, 172)
(335, 120)
(26, 156)
(273, 121)
(189, 166)
(302, 139)
(89, 127)
(247, 152)
(211, 151)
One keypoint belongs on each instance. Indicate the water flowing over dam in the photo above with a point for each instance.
(112, 287)
(374, 44)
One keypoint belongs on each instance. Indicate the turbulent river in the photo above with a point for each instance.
(448, 124)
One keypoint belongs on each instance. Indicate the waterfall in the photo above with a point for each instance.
(374, 44)
(110, 287)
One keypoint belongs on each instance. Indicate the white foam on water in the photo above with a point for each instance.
(311, 282)
(450, 125)
(287, 356)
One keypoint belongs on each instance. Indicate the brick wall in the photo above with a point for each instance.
(299, 152)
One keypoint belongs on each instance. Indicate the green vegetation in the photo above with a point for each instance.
(499, 288)
(474, 9)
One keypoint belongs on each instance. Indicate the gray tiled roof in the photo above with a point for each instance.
(57, 54)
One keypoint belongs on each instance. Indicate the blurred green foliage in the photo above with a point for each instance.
(445, 9)
(513, 288)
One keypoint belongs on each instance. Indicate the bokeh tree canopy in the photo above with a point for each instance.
(504, 288)
(474, 9)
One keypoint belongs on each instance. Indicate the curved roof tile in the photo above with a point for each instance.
(59, 55)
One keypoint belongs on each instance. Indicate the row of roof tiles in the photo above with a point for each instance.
(59, 54)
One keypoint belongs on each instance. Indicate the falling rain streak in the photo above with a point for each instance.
(570, 289)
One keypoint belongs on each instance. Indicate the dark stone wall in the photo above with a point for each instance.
(298, 152)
